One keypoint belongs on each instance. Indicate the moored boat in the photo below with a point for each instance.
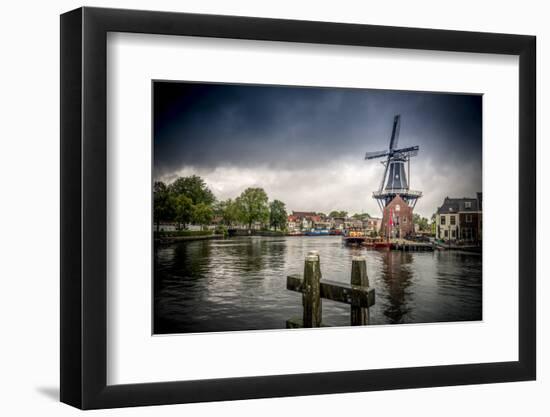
(376, 243)
(317, 232)
(354, 237)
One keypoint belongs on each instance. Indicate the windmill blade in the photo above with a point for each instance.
(409, 151)
(395, 132)
(412, 153)
(376, 154)
(387, 164)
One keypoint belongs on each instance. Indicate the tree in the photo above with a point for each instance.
(228, 211)
(277, 214)
(336, 213)
(252, 206)
(422, 222)
(361, 216)
(201, 214)
(194, 188)
(183, 209)
(163, 204)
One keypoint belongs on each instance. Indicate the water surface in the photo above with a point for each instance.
(240, 284)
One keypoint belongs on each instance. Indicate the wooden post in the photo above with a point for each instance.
(311, 295)
(316, 253)
(359, 316)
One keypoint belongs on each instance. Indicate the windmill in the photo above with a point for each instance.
(395, 178)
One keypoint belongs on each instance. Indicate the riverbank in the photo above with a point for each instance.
(172, 237)
(252, 232)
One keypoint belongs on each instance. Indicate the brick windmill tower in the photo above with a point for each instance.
(395, 198)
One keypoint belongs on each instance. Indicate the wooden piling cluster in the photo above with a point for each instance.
(357, 294)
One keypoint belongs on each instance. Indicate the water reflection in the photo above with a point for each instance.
(240, 284)
(396, 275)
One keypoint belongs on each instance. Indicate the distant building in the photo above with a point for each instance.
(293, 224)
(302, 220)
(460, 219)
(373, 224)
(322, 224)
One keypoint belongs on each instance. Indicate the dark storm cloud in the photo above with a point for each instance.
(204, 127)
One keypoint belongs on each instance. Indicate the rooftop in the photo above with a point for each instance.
(455, 205)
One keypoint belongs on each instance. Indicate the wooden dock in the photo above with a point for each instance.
(411, 246)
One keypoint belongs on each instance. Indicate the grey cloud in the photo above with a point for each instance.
(306, 145)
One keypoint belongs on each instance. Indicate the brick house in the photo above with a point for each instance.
(402, 219)
(459, 219)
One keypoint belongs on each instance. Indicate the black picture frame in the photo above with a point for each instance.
(84, 207)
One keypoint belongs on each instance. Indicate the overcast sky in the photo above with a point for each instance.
(305, 146)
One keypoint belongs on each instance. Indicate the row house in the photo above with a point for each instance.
(302, 220)
(460, 219)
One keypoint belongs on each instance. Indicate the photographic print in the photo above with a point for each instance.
(283, 207)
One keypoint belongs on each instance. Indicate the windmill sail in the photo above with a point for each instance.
(376, 154)
(395, 132)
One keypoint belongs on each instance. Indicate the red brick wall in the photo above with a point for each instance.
(403, 223)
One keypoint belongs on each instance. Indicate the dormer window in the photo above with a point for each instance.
(468, 204)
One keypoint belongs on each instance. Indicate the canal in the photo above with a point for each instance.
(240, 284)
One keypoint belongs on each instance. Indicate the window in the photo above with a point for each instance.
(453, 220)
(468, 204)
(404, 219)
(442, 220)
(446, 233)
(453, 233)
(468, 218)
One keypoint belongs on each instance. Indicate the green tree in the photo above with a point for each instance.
(422, 222)
(277, 215)
(336, 213)
(202, 214)
(194, 188)
(361, 216)
(252, 206)
(163, 204)
(183, 209)
(228, 211)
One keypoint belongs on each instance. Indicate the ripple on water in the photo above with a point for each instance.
(240, 284)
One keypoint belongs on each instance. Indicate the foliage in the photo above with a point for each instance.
(183, 209)
(194, 188)
(228, 211)
(422, 222)
(252, 206)
(361, 216)
(336, 213)
(164, 208)
(277, 215)
(189, 200)
(202, 214)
